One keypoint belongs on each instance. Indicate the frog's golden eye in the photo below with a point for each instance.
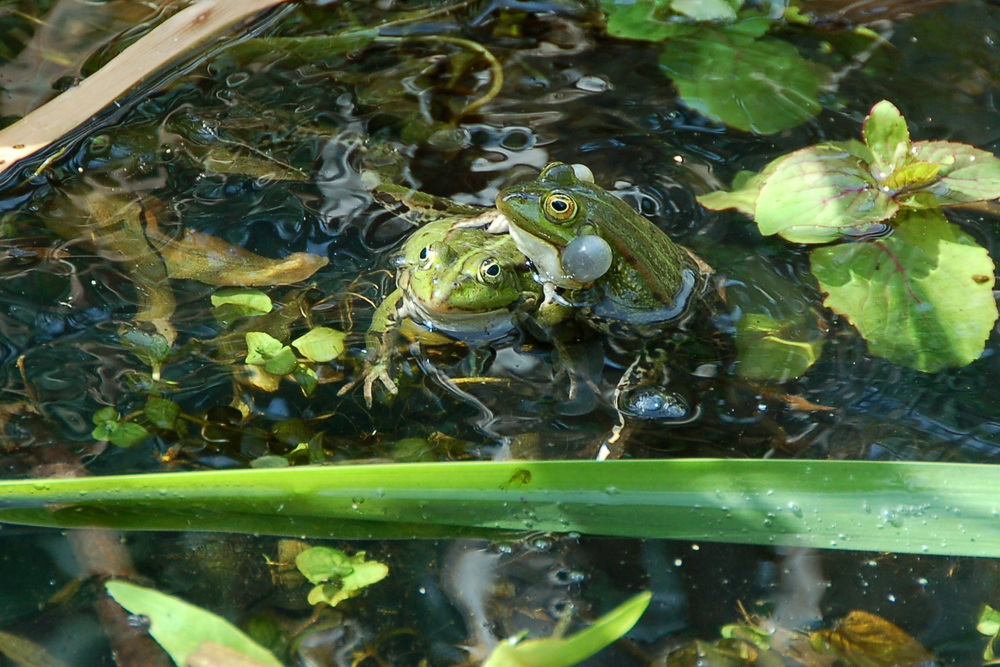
(559, 207)
(489, 271)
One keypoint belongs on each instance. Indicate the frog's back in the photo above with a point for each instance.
(652, 279)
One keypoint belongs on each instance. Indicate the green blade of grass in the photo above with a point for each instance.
(934, 508)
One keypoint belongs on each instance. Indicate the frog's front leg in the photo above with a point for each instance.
(644, 394)
(380, 342)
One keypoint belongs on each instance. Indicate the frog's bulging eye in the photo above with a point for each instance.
(559, 207)
(489, 271)
(426, 256)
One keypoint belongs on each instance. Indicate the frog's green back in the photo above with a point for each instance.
(651, 278)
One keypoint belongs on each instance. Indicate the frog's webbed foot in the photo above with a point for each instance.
(378, 372)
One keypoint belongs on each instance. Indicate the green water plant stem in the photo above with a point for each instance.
(934, 508)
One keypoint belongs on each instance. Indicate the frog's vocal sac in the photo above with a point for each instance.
(607, 256)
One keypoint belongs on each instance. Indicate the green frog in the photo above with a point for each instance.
(463, 282)
(624, 274)
(598, 251)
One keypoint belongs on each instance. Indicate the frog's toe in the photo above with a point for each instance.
(378, 374)
(657, 404)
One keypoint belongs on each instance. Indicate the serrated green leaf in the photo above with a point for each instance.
(127, 434)
(967, 174)
(261, 347)
(245, 302)
(568, 651)
(888, 138)
(913, 175)
(162, 412)
(816, 194)
(181, 628)
(922, 297)
(755, 85)
(321, 344)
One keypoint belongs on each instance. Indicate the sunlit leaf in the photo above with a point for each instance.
(922, 297)
(913, 175)
(862, 639)
(261, 347)
(337, 576)
(321, 344)
(816, 194)
(244, 302)
(856, 505)
(966, 174)
(568, 651)
(755, 85)
(887, 136)
(743, 199)
(181, 628)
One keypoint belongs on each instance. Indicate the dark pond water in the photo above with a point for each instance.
(266, 149)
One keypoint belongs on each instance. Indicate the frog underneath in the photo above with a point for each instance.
(462, 282)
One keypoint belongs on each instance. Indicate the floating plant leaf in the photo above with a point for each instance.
(244, 302)
(647, 20)
(568, 651)
(337, 576)
(922, 297)
(707, 10)
(182, 628)
(816, 194)
(109, 427)
(966, 174)
(321, 344)
(743, 197)
(887, 137)
(270, 353)
(754, 84)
